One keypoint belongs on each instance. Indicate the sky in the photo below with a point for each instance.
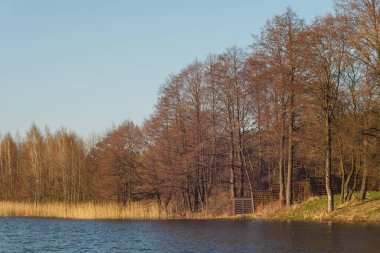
(87, 65)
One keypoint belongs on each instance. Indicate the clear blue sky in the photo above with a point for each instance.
(88, 64)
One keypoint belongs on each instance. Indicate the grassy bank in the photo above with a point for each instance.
(314, 209)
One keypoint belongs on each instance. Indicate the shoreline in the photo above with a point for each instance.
(311, 210)
(203, 219)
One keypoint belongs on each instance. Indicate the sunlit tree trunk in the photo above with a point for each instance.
(330, 195)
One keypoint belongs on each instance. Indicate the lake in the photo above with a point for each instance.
(58, 235)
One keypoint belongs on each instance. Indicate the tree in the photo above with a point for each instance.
(326, 51)
(362, 21)
(116, 163)
(278, 47)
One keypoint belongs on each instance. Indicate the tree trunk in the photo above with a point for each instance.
(330, 196)
(342, 192)
(363, 189)
(281, 172)
(289, 179)
(232, 173)
(249, 179)
(351, 191)
(348, 179)
(282, 146)
(232, 164)
(241, 165)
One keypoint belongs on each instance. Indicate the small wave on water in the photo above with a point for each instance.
(57, 235)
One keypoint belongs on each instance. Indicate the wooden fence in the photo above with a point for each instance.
(302, 190)
(243, 206)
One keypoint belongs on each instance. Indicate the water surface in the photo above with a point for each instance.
(57, 235)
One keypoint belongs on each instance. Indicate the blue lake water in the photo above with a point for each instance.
(58, 235)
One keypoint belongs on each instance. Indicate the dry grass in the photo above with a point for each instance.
(367, 211)
(143, 210)
(266, 211)
(136, 210)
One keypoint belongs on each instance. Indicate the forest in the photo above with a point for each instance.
(302, 100)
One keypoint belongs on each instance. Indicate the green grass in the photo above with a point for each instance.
(373, 195)
(316, 209)
(311, 208)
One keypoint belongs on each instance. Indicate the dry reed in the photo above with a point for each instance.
(142, 210)
(136, 210)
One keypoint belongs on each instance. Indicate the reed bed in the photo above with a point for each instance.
(135, 211)
(142, 210)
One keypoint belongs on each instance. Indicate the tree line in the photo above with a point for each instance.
(302, 101)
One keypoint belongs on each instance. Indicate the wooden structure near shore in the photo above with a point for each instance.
(302, 190)
(243, 206)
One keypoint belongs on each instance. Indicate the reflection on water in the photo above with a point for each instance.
(42, 235)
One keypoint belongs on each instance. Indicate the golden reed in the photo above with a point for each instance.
(135, 210)
(142, 210)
